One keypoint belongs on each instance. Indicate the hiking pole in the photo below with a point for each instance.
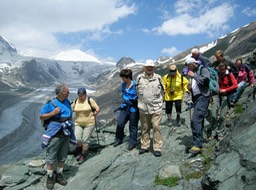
(97, 132)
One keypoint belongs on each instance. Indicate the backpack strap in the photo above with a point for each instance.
(89, 102)
(53, 103)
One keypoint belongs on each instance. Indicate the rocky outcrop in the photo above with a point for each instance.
(227, 162)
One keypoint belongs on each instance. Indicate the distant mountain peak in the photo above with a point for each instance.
(74, 55)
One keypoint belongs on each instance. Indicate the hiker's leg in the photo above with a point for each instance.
(122, 120)
(201, 105)
(157, 136)
(241, 86)
(178, 111)
(145, 120)
(168, 110)
(133, 128)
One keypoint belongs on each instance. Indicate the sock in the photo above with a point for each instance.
(50, 173)
(59, 170)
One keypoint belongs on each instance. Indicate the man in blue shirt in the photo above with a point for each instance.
(57, 135)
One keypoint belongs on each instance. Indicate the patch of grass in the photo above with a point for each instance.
(169, 182)
(238, 109)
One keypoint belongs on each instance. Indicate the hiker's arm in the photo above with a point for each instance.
(45, 116)
(204, 78)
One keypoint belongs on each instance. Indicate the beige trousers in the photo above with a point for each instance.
(148, 120)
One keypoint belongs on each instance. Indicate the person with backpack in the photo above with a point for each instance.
(227, 86)
(175, 85)
(150, 102)
(86, 110)
(59, 130)
(245, 78)
(129, 110)
(199, 87)
(202, 60)
(219, 55)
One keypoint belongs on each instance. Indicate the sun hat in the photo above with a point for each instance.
(190, 60)
(149, 63)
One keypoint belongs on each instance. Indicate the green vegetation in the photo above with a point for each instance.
(169, 182)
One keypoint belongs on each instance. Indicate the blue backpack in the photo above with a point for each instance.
(213, 84)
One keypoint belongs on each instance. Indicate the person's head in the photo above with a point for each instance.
(219, 55)
(191, 63)
(126, 73)
(149, 67)
(62, 91)
(239, 62)
(222, 67)
(81, 92)
(195, 53)
(172, 70)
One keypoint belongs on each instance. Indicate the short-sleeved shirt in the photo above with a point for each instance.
(65, 108)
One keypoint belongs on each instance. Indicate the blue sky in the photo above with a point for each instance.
(111, 29)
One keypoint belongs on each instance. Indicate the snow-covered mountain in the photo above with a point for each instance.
(74, 55)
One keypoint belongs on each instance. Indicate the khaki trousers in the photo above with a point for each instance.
(148, 120)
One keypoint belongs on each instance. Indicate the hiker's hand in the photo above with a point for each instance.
(56, 111)
(189, 87)
(222, 91)
(191, 74)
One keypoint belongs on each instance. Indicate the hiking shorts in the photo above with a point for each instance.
(57, 150)
(83, 134)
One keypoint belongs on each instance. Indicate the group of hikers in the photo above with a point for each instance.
(143, 101)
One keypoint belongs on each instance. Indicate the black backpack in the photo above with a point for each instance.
(89, 102)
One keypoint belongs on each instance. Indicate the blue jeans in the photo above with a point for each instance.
(239, 91)
(124, 117)
(197, 121)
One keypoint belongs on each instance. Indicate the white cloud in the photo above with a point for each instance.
(191, 18)
(249, 11)
(29, 23)
(170, 51)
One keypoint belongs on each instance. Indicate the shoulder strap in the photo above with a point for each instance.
(54, 103)
(182, 88)
(89, 102)
(138, 82)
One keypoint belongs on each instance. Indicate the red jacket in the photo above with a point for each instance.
(227, 82)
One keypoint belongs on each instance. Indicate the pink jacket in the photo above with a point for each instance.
(243, 76)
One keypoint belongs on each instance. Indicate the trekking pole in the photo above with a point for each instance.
(97, 132)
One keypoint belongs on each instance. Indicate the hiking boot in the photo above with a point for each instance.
(131, 147)
(50, 182)
(157, 153)
(82, 159)
(195, 150)
(232, 104)
(60, 179)
(142, 151)
(116, 143)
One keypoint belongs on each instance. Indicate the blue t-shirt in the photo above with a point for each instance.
(130, 94)
(65, 108)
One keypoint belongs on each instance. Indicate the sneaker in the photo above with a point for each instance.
(232, 104)
(142, 151)
(50, 182)
(82, 159)
(60, 179)
(157, 153)
(195, 150)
